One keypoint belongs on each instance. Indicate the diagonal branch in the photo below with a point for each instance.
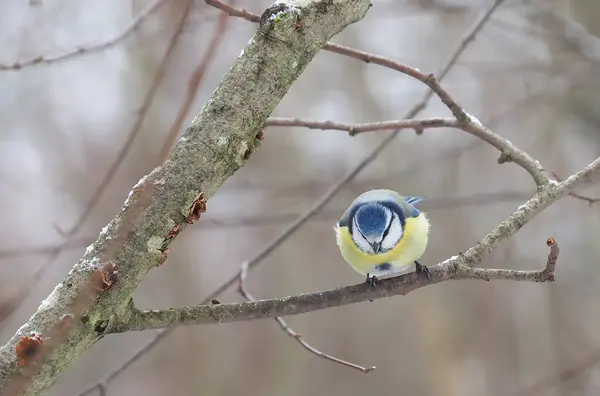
(220, 140)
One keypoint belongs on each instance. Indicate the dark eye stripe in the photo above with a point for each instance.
(360, 232)
(387, 230)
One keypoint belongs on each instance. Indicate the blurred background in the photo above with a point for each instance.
(79, 131)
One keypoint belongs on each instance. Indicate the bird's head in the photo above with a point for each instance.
(376, 228)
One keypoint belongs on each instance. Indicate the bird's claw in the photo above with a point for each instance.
(371, 280)
(423, 270)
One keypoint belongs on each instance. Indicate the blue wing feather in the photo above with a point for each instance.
(344, 221)
(412, 201)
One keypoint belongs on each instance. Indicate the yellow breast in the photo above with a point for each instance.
(410, 248)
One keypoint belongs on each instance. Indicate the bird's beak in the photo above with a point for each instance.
(376, 247)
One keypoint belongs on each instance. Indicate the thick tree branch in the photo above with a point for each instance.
(220, 140)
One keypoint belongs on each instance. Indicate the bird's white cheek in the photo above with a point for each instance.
(362, 243)
(393, 237)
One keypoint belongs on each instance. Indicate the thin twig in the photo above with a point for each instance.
(508, 152)
(590, 200)
(289, 331)
(121, 154)
(292, 228)
(234, 11)
(194, 84)
(133, 26)
(428, 79)
(417, 124)
(553, 380)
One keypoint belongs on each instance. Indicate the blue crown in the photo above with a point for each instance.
(371, 219)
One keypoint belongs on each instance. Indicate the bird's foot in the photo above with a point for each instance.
(423, 270)
(371, 280)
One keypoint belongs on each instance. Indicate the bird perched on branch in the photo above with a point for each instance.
(383, 232)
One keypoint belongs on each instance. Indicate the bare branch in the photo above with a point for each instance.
(428, 79)
(417, 124)
(553, 380)
(454, 268)
(135, 24)
(234, 11)
(590, 200)
(472, 126)
(289, 331)
(220, 140)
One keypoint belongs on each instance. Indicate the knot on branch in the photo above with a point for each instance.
(504, 158)
(28, 348)
(309, 24)
(198, 207)
(106, 277)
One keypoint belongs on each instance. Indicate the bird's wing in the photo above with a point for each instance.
(344, 220)
(409, 205)
(413, 200)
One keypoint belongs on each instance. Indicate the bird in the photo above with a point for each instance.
(382, 233)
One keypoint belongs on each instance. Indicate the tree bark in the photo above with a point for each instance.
(220, 140)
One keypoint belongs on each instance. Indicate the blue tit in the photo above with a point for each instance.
(381, 233)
